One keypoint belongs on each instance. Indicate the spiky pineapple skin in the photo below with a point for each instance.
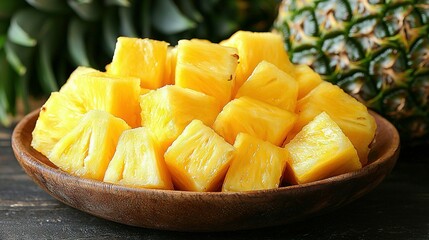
(377, 51)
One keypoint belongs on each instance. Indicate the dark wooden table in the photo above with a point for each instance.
(396, 209)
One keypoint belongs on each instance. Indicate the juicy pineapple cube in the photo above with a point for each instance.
(79, 71)
(101, 91)
(320, 150)
(58, 116)
(170, 66)
(254, 47)
(351, 115)
(87, 149)
(257, 165)
(168, 110)
(271, 85)
(138, 162)
(256, 118)
(86, 89)
(307, 79)
(141, 58)
(206, 67)
(199, 158)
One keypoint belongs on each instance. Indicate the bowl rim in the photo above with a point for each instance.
(25, 157)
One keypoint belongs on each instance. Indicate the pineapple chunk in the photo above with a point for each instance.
(271, 85)
(138, 162)
(307, 79)
(101, 91)
(170, 66)
(70, 85)
(87, 149)
(320, 150)
(257, 165)
(86, 89)
(199, 158)
(256, 118)
(57, 117)
(168, 110)
(254, 47)
(351, 115)
(141, 58)
(206, 67)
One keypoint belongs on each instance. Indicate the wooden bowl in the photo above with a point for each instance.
(214, 211)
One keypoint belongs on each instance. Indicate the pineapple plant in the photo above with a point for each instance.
(256, 165)
(42, 42)
(138, 161)
(87, 149)
(320, 150)
(199, 158)
(377, 51)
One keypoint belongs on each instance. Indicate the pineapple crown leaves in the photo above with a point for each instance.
(42, 41)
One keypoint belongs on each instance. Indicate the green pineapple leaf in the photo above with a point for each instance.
(110, 26)
(8, 8)
(53, 6)
(126, 22)
(46, 57)
(7, 91)
(25, 27)
(18, 56)
(168, 19)
(89, 10)
(77, 43)
(123, 3)
(145, 18)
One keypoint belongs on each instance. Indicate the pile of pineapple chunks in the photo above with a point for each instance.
(200, 116)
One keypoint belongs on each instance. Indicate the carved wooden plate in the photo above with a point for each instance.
(214, 211)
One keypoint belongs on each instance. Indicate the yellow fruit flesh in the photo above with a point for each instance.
(271, 85)
(351, 115)
(254, 47)
(256, 118)
(206, 67)
(101, 91)
(140, 58)
(87, 149)
(138, 162)
(320, 150)
(199, 158)
(307, 79)
(59, 115)
(257, 165)
(168, 110)
(170, 66)
(79, 71)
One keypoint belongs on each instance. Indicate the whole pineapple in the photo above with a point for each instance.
(376, 50)
(41, 42)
